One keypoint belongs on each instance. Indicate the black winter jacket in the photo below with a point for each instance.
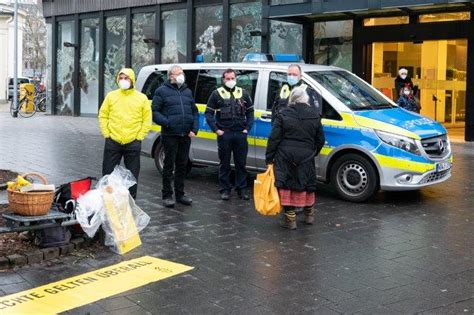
(174, 109)
(296, 138)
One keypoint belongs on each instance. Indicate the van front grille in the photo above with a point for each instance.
(434, 177)
(436, 147)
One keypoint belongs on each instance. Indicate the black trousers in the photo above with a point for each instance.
(176, 159)
(232, 143)
(113, 153)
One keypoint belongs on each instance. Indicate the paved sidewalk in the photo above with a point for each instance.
(404, 253)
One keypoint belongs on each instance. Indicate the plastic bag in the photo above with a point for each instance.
(265, 194)
(89, 211)
(112, 207)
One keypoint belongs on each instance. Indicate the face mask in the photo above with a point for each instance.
(180, 79)
(124, 84)
(292, 80)
(406, 92)
(403, 76)
(230, 84)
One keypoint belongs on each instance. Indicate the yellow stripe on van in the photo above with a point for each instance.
(391, 162)
(379, 125)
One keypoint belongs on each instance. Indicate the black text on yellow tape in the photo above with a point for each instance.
(89, 287)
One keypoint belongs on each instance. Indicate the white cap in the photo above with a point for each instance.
(402, 71)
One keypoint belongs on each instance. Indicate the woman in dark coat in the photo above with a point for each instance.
(296, 138)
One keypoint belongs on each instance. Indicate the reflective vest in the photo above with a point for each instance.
(285, 91)
(238, 92)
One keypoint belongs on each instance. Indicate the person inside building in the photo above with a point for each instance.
(229, 113)
(402, 80)
(296, 138)
(407, 100)
(294, 75)
(125, 120)
(174, 109)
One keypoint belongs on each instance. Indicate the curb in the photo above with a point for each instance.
(42, 254)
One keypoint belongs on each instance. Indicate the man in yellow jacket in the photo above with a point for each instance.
(125, 120)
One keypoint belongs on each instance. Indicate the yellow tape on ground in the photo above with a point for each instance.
(89, 287)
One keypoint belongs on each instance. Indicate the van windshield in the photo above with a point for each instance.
(350, 90)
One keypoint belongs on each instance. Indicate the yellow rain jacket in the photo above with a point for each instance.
(125, 115)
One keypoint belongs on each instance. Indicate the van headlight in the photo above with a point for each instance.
(401, 142)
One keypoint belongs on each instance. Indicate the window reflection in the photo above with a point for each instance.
(246, 19)
(65, 69)
(115, 42)
(286, 38)
(209, 34)
(89, 67)
(143, 45)
(174, 36)
(333, 43)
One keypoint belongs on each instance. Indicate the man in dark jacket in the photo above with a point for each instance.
(229, 113)
(294, 75)
(174, 109)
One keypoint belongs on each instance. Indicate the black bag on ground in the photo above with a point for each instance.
(52, 237)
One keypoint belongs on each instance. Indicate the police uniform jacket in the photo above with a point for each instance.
(230, 110)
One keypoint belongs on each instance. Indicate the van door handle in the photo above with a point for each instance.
(266, 116)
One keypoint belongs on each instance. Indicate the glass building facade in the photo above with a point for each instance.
(90, 41)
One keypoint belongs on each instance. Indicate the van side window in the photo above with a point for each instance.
(209, 80)
(154, 81)
(276, 81)
(329, 112)
(157, 78)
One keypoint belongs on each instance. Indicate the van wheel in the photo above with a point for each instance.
(159, 157)
(354, 178)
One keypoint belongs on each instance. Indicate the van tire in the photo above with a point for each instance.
(159, 156)
(354, 177)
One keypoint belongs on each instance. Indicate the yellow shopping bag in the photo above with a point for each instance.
(265, 194)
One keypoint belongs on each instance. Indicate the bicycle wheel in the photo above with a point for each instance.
(41, 107)
(26, 109)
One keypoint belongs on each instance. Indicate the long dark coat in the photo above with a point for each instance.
(296, 138)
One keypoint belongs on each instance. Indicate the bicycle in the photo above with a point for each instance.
(24, 108)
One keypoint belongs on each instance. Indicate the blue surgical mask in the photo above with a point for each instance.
(292, 80)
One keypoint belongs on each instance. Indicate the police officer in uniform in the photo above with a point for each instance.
(294, 74)
(229, 113)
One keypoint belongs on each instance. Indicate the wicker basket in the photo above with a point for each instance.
(31, 203)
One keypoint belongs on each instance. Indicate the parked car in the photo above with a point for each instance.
(9, 92)
(371, 143)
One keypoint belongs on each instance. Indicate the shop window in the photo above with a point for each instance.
(174, 30)
(143, 40)
(115, 43)
(246, 19)
(394, 20)
(65, 69)
(286, 38)
(333, 44)
(209, 33)
(445, 17)
(209, 80)
(89, 66)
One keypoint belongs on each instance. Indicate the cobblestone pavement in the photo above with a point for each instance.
(406, 252)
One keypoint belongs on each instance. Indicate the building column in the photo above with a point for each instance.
(469, 124)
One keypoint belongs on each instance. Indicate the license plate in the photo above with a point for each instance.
(442, 166)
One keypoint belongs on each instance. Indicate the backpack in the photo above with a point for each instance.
(66, 195)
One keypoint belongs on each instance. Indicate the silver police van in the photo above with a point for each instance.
(371, 143)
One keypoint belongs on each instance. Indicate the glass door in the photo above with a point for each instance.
(438, 68)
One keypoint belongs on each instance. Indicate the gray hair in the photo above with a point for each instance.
(295, 65)
(298, 95)
(172, 68)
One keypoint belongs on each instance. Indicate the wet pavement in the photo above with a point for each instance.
(408, 252)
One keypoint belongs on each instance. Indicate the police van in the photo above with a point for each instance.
(371, 143)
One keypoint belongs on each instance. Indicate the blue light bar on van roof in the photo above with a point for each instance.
(258, 57)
